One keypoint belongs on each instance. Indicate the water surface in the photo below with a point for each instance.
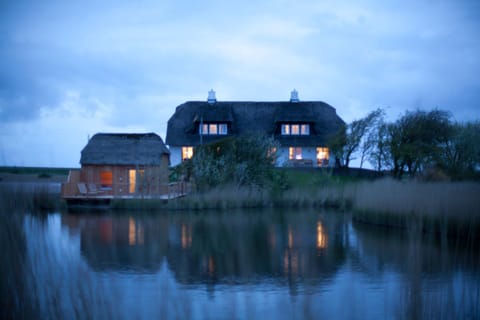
(245, 264)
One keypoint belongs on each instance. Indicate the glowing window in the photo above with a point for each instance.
(295, 129)
(305, 129)
(187, 153)
(106, 179)
(222, 128)
(212, 129)
(322, 156)
(295, 153)
(203, 129)
(135, 177)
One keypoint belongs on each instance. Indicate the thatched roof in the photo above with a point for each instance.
(124, 149)
(245, 117)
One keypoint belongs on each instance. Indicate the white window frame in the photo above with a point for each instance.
(187, 152)
(305, 129)
(295, 129)
(295, 153)
(222, 129)
(325, 152)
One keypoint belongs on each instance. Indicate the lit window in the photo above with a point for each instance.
(295, 129)
(322, 156)
(106, 179)
(187, 153)
(135, 178)
(203, 129)
(212, 129)
(222, 128)
(295, 153)
(305, 129)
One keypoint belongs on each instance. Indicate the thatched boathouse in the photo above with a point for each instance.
(120, 165)
(302, 128)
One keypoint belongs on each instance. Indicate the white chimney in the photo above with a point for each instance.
(211, 97)
(294, 96)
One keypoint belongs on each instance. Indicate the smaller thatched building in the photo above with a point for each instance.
(120, 164)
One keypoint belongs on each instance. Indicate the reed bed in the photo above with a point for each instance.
(443, 208)
(232, 197)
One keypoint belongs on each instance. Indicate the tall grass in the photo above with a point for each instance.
(444, 208)
(232, 197)
(456, 199)
(15, 201)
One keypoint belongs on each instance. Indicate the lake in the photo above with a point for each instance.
(274, 264)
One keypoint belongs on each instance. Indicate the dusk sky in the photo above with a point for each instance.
(70, 69)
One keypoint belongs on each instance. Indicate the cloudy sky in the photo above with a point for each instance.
(69, 69)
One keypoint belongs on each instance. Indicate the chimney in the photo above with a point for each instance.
(211, 97)
(294, 96)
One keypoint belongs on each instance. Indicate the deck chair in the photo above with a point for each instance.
(92, 188)
(82, 188)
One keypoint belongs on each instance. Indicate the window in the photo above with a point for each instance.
(295, 129)
(203, 129)
(187, 153)
(295, 153)
(106, 179)
(213, 129)
(322, 156)
(222, 128)
(305, 129)
(135, 177)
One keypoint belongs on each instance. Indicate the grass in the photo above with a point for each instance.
(441, 208)
(40, 171)
(451, 208)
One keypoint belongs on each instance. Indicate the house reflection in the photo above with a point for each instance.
(216, 247)
(186, 236)
(135, 232)
(322, 236)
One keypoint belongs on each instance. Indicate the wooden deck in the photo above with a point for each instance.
(90, 195)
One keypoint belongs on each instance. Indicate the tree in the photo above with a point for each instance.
(371, 141)
(379, 155)
(348, 140)
(416, 140)
(247, 160)
(461, 153)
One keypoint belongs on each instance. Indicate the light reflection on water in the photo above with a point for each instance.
(243, 265)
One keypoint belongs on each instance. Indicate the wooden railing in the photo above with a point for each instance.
(74, 188)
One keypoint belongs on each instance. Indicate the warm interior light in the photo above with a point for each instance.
(322, 156)
(106, 179)
(321, 236)
(131, 232)
(187, 153)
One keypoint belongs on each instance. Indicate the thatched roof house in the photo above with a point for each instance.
(145, 149)
(119, 165)
(302, 128)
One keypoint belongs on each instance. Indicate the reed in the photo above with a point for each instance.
(445, 208)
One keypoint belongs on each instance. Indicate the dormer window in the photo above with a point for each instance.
(213, 129)
(295, 129)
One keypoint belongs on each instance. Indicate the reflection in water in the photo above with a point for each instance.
(186, 236)
(252, 264)
(321, 236)
(135, 232)
(131, 232)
